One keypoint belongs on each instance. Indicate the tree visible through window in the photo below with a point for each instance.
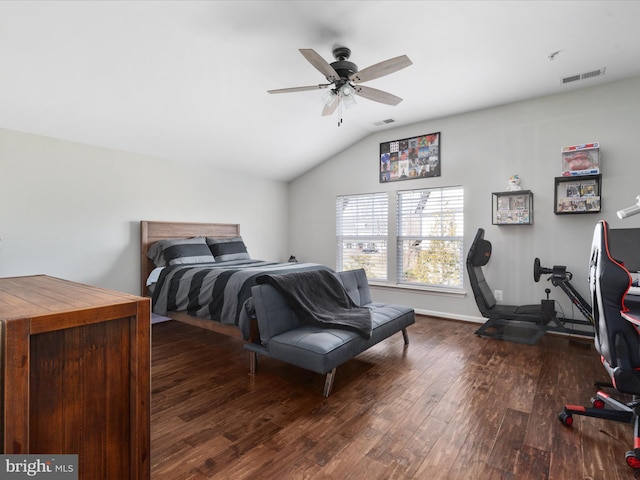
(362, 233)
(430, 237)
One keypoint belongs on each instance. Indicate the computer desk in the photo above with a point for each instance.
(632, 302)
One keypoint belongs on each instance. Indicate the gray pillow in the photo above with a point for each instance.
(180, 251)
(225, 249)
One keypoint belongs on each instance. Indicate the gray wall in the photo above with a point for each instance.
(480, 150)
(73, 211)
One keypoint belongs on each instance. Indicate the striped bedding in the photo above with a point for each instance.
(215, 291)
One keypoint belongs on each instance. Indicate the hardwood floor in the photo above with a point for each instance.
(450, 405)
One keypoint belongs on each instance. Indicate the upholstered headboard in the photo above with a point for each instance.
(151, 232)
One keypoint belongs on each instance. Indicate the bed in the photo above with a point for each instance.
(202, 273)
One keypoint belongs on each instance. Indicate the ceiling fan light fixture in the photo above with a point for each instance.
(349, 101)
(328, 96)
(348, 95)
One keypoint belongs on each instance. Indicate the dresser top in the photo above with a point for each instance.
(36, 295)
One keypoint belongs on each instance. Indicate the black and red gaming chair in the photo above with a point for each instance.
(616, 339)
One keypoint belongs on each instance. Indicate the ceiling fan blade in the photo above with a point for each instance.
(320, 64)
(381, 69)
(329, 109)
(377, 95)
(299, 89)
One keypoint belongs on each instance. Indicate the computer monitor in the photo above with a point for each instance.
(624, 246)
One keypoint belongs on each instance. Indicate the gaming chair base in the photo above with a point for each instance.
(512, 331)
(617, 412)
(529, 332)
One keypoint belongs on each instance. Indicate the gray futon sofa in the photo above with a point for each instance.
(283, 336)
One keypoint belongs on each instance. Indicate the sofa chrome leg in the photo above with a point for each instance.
(405, 335)
(253, 362)
(328, 382)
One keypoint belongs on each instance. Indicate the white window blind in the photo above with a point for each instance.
(361, 233)
(430, 237)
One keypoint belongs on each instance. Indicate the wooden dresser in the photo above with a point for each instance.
(76, 375)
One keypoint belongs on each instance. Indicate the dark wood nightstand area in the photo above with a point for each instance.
(76, 375)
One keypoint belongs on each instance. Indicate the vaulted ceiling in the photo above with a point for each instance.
(187, 81)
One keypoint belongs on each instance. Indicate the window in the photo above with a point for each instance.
(430, 231)
(361, 230)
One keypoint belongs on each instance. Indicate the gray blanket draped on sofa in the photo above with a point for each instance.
(319, 298)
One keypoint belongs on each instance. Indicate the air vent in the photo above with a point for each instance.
(384, 122)
(582, 76)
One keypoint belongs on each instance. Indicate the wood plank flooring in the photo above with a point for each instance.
(450, 405)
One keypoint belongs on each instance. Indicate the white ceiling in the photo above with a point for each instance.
(188, 81)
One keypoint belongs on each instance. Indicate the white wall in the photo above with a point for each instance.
(73, 211)
(479, 151)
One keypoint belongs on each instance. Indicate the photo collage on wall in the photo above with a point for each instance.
(410, 158)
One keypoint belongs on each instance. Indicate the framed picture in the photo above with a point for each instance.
(410, 158)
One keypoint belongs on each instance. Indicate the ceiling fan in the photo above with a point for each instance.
(345, 79)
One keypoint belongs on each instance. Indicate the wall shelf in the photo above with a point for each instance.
(512, 208)
(577, 194)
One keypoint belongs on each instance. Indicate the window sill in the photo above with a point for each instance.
(423, 289)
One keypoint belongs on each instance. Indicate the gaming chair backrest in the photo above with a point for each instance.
(478, 256)
(615, 338)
